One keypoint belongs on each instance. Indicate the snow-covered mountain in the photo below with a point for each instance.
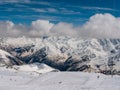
(66, 53)
(8, 59)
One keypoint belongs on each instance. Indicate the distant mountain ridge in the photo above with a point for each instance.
(67, 53)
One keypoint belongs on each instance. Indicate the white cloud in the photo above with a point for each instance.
(68, 11)
(102, 25)
(5, 27)
(14, 1)
(40, 27)
(54, 10)
(98, 8)
(63, 29)
(37, 28)
(98, 26)
(8, 28)
(50, 10)
(38, 10)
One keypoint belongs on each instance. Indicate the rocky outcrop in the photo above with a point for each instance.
(67, 53)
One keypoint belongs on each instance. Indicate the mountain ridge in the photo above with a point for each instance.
(67, 53)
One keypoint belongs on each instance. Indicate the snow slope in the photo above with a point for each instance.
(39, 68)
(67, 53)
(64, 53)
(8, 59)
(10, 80)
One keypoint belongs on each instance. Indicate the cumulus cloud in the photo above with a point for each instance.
(6, 27)
(40, 27)
(63, 29)
(37, 28)
(98, 26)
(102, 25)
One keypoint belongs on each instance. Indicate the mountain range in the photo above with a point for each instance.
(63, 53)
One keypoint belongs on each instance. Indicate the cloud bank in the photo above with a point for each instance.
(102, 25)
(40, 27)
(98, 26)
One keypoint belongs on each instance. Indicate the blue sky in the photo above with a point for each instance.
(70, 11)
(83, 18)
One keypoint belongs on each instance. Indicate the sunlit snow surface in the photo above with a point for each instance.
(23, 80)
(36, 76)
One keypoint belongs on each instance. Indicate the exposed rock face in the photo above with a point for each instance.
(8, 59)
(67, 53)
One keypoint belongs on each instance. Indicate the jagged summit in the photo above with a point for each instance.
(67, 53)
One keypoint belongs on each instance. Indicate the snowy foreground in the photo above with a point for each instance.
(23, 80)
